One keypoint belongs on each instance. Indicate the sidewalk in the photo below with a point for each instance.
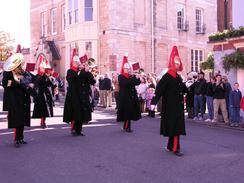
(217, 124)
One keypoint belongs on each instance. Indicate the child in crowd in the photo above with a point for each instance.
(234, 104)
(149, 95)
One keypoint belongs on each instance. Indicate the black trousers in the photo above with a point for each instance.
(19, 133)
(174, 143)
(127, 124)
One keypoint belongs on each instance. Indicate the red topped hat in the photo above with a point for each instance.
(125, 64)
(43, 63)
(174, 58)
(18, 49)
(74, 57)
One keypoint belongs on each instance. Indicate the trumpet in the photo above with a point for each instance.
(91, 62)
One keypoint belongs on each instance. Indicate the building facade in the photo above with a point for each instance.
(146, 30)
(48, 33)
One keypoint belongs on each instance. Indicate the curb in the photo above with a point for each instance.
(218, 125)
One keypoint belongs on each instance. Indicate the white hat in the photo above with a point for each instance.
(177, 60)
(13, 62)
(76, 59)
(126, 66)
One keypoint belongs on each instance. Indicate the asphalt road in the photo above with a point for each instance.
(108, 155)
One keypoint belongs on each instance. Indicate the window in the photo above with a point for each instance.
(181, 17)
(199, 21)
(43, 24)
(89, 49)
(70, 11)
(88, 10)
(139, 7)
(76, 10)
(63, 18)
(54, 21)
(161, 12)
(196, 58)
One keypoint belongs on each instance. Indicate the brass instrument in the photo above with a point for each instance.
(93, 68)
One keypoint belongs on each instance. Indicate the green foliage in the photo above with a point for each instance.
(221, 36)
(209, 63)
(233, 60)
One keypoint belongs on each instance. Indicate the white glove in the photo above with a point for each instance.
(153, 107)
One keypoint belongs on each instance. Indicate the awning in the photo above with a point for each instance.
(54, 50)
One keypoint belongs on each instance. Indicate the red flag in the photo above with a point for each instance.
(30, 67)
(83, 59)
(135, 66)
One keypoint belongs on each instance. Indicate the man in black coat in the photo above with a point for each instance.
(77, 107)
(18, 100)
(43, 102)
(199, 96)
(171, 89)
(6, 76)
(128, 103)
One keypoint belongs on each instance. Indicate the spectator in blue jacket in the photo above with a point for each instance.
(234, 105)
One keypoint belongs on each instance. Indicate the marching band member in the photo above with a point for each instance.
(18, 101)
(171, 89)
(128, 104)
(43, 102)
(77, 108)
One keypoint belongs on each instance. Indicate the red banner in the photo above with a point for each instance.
(112, 62)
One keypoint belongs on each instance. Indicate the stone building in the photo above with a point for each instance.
(106, 30)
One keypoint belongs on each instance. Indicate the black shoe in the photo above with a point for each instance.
(168, 150)
(73, 132)
(80, 134)
(22, 142)
(129, 130)
(17, 143)
(43, 125)
(178, 153)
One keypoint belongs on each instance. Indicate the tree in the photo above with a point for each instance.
(5, 45)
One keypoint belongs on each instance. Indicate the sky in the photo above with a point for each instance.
(15, 19)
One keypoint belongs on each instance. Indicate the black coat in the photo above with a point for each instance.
(6, 76)
(77, 104)
(190, 96)
(128, 104)
(18, 103)
(43, 106)
(172, 119)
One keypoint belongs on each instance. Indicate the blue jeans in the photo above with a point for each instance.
(235, 114)
(198, 104)
(210, 107)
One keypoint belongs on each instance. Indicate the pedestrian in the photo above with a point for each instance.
(235, 101)
(77, 108)
(190, 97)
(227, 93)
(18, 99)
(43, 102)
(116, 88)
(141, 91)
(102, 91)
(149, 96)
(209, 99)
(171, 88)
(199, 96)
(219, 101)
(128, 104)
(107, 87)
